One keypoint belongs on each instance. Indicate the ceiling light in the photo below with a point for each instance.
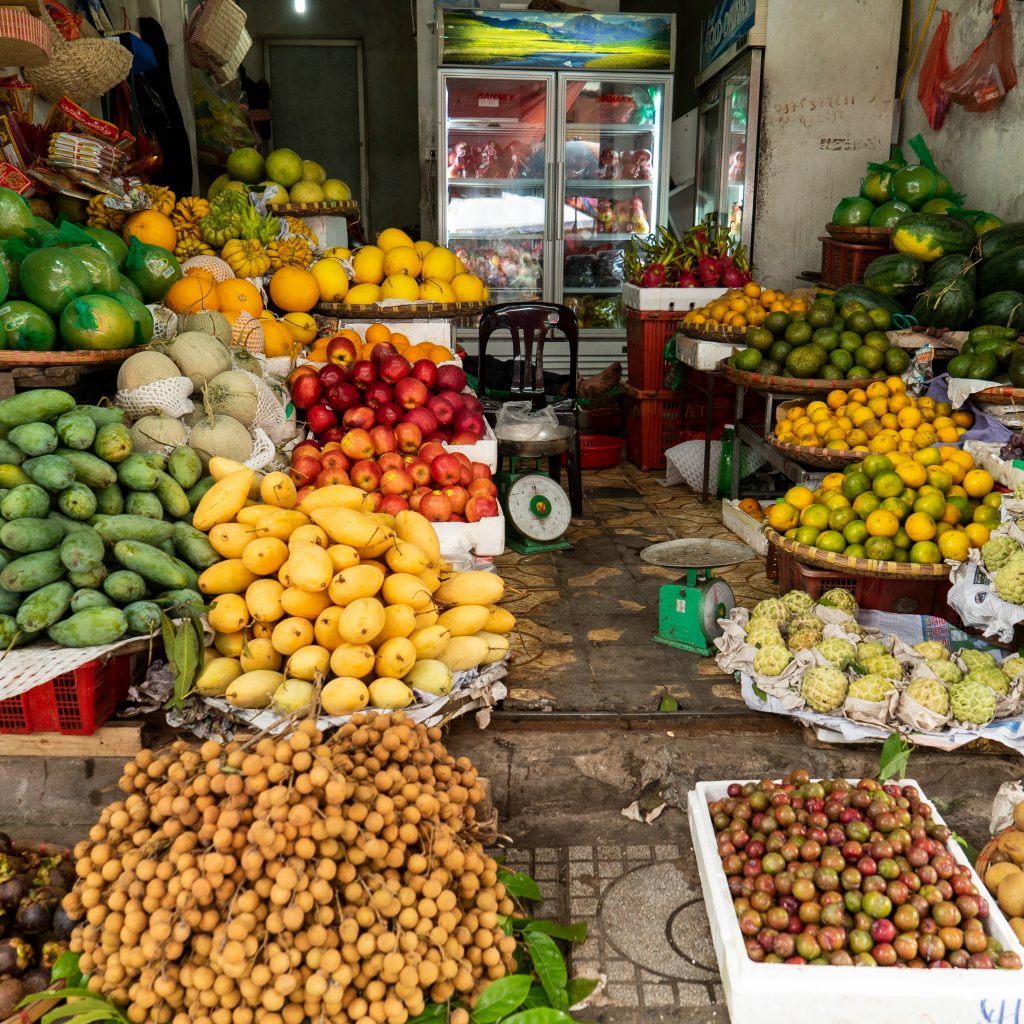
(300, 6)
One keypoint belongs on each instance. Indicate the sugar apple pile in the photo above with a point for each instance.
(772, 660)
(764, 633)
(1009, 581)
(869, 649)
(972, 703)
(1013, 666)
(837, 651)
(797, 602)
(931, 650)
(871, 687)
(946, 671)
(771, 609)
(838, 598)
(996, 552)
(802, 639)
(883, 665)
(1018, 491)
(823, 688)
(976, 659)
(930, 694)
(995, 680)
(811, 622)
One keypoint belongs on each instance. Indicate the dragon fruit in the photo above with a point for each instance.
(655, 276)
(709, 272)
(687, 279)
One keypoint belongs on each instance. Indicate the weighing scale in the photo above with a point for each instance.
(537, 510)
(688, 611)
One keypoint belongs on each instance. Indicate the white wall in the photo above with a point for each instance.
(827, 111)
(979, 153)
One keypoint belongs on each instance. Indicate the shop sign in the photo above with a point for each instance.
(727, 23)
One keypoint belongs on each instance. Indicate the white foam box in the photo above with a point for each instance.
(704, 355)
(485, 537)
(845, 995)
(439, 332)
(485, 450)
(745, 527)
(667, 299)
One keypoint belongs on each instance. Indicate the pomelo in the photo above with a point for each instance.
(101, 268)
(217, 186)
(312, 171)
(274, 194)
(27, 327)
(15, 215)
(113, 245)
(306, 192)
(96, 322)
(140, 314)
(52, 277)
(284, 166)
(152, 269)
(246, 165)
(336, 189)
(129, 287)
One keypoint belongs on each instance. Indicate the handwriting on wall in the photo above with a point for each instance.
(809, 111)
(846, 146)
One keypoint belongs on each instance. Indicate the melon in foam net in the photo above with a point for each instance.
(234, 394)
(200, 357)
(220, 435)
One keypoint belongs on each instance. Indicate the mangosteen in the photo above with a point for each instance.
(63, 875)
(6, 843)
(15, 955)
(50, 894)
(63, 925)
(11, 993)
(34, 916)
(36, 979)
(13, 891)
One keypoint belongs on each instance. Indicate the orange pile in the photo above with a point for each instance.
(378, 334)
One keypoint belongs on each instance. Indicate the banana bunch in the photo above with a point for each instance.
(246, 257)
(269, 228)
(190, 244)
(289, 252)
(102, 216)
(188, 212)
(161, 198)
(298, 227)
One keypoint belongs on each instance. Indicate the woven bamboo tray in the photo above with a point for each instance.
(408, 311)
(985, 856)
(329, 207)
(785, 385)
(1000, 396)
(705, 333)
(855, 566)
(819, 458)
(16, 357)
(863, 235)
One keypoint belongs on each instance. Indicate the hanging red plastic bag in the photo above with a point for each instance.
(934, 69)
(988, 74)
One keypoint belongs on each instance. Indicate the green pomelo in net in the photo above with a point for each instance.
(97, 322)
(52, 277)
(139, 313)
(27, 327)
(152, 268)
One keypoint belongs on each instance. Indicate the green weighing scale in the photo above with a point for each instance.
(537, 510)
(688, 611)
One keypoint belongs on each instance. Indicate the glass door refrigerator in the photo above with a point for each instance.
(729, 106)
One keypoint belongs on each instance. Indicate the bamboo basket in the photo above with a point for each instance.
(982, 863)
(25, 41)
(703, 332)
(860, 235)
(406, 311)
(329, 208)
(855, 566)
(819, 458)
(786, 385)
(1000, 396)
(16, 357)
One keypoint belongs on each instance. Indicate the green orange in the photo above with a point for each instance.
(855, 551)
(865, 504)
(841, 517)
(855, 484)
(963, 505)
(902, 539)
(887, 484)
(939, 477)
(831, 540)
(875, 464)
(807, 535)
(856, 531)
(881, 548)
(993, 499)
(897, 506)
(816, 516)
(882, 523)
(987, 516)
(925, 552)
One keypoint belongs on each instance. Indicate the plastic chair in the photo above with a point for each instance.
(531, 325)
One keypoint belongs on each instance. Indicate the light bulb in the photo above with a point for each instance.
(300, 6)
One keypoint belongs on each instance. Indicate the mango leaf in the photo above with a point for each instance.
(500, 998)
(549, 964)
(539, 1015)
(520, 884)
(66, 968)
(579, 989)
(569, 932)
(183, 645)
(896, 751)
(536, 997)
(434, 1013)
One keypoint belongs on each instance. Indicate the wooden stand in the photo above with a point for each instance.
(115, 739)
(87, 382)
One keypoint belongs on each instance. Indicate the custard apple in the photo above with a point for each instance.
(1009, 581)
(884, 665)
(771, 661)
(1013, 666)
(931, 650)
(996, 552)
(823, 688)
(992, 678)
(839, 598)
(802, 640)
(811, 622)
(771, 609)
(1018, 491)
(972, 703)
(946, 671)
(837, 651)
(762, 633)
(873, 687)
(869, 649)
(798, 602)
(976, 659)
(930, 694)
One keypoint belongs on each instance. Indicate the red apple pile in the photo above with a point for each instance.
(398, 472)
(421, 401)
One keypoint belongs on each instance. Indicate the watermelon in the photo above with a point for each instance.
(929, 236)
(27, 327)
(954, 265)
(152, 269)
(1001, 273)
(113, 245)
(985, 223)
(895, 274)
(853, 211)
(15, 215)
(946, 304)
(998, 240)
(1003, 308)
(139, 313)
(52, 277)
(96, 322)
(888, 215)
(868, 297)
(102, 269)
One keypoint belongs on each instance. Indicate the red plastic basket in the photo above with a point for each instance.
(75, 703)
(647, 332)
(654, 423)
(845, 263)
(598, 451)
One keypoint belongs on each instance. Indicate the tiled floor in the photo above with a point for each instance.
(586, 616)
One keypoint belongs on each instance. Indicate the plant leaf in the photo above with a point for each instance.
(433, 1013)
(969, 851)
(896, 751)
(520, 884)
(579, 989)
(536, 997)
(66, 968)
(549, 964)
(569, 932)
(539, 1015)
(500, 998)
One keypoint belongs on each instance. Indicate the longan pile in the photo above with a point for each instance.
(289, 878)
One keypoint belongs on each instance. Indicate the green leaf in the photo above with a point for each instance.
(579, 989)
(896, 751)
(539, 1015)
(569, 932)
(520, 884)
(433, 1013)
(536, 997)
(969, 851)
(66, 968)
(668, 704)
(549, 964)
(500, 998)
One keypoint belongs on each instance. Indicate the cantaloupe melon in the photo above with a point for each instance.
(199, 356)
(157, 434)
(207, 321)
(190, 419)
(234, 394)
(220, 435)
(242, 360)
(144, 368)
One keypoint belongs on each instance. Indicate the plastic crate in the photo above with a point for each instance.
(903, 596)
(74, 704)
(647, 333)
(654, 423)
(845, 263)
(597, 451)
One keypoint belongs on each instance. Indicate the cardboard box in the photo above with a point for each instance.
(667, 299)
(485, 450)
(705, 355)
(747, 528)
(485, 538)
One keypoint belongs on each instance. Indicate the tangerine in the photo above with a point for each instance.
(920, 526)
(977, 483)
(151, 227)
(294, 290)
(192, 294)
(954, 544)
(782, 516)
(882, 523)
(799, 497)
(977, 534)
(239, 296)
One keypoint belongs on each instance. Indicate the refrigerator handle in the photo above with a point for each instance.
(558, 207)
(549, 177)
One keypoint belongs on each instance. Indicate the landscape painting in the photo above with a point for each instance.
(536, 39)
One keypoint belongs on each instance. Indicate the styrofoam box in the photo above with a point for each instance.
(844, 995)
(485, 450)
(485, 537)
(668, 299)
(439, 332)
(704, 355)
(745, 527)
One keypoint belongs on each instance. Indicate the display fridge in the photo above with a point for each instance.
(546, 175)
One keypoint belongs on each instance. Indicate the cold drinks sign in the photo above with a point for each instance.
(728, 22)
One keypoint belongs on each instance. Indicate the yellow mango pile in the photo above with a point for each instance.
(321, 592)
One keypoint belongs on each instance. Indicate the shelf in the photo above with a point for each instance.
(599, 183)
(481, 127)
(581, 128)
(611, 236)
(593, 291)
(499, 235)
(502, 183)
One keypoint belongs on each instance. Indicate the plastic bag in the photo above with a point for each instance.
(519, 421)
(988, 74)
(934, 70)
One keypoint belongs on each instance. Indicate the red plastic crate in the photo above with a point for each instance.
(654, 423)
(647, 332)
(905, 596)
(75, 703)
(845, 263)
